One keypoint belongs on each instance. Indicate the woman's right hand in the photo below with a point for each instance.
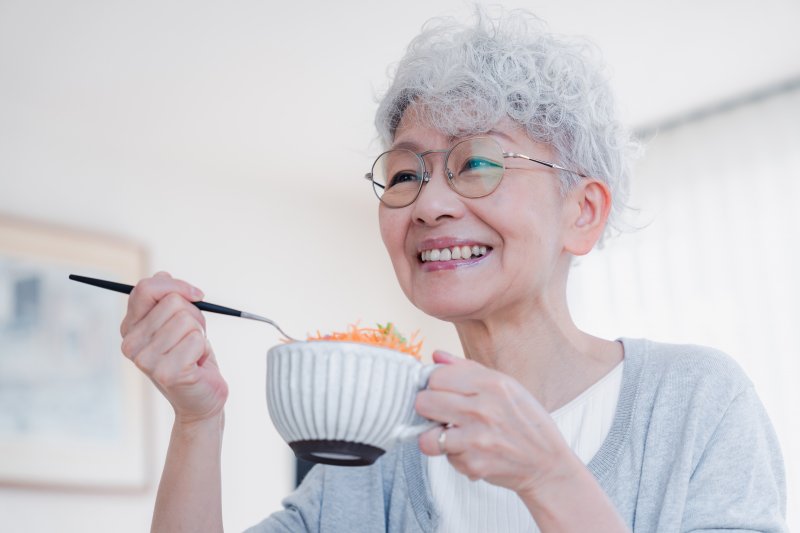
(164, 335)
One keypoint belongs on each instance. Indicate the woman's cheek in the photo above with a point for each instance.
(385, 225)
(392, 233)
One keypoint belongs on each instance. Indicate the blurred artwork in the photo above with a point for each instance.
(56, 375)
(72, 410)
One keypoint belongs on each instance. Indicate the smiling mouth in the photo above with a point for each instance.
(453, 253)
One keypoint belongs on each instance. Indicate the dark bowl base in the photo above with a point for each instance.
(336, 452)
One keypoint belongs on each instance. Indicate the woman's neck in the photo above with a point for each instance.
(542, 349)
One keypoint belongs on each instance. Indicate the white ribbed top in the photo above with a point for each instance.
(479, 507)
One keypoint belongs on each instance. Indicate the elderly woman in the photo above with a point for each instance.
(504, 161)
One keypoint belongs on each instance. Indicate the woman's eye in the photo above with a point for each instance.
(403, 177)
(478, 163)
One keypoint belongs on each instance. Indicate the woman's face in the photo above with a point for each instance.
(520, 225)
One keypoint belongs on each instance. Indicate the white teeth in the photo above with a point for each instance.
(457, 252)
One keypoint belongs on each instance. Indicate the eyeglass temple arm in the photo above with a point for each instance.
(368, 177)
(545, 163)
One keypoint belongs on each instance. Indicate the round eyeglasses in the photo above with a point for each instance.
(473, 167)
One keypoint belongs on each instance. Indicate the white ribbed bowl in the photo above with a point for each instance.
(343, 403)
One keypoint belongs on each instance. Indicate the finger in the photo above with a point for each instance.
(141, 334)
(178, 327)
(443, 358)
(428, 441)
(461, 375)
(148, 292)
(179, 365)
(171, 304)
(432, 443)
(444, 406)
(208, 360)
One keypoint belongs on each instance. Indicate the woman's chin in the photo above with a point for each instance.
(449, 308)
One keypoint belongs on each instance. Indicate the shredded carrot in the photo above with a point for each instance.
(385, 336)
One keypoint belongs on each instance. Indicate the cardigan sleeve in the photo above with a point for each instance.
(739, 482)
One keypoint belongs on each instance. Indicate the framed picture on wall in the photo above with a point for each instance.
(73, 410)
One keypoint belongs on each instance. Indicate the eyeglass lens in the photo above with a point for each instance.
(474, 168)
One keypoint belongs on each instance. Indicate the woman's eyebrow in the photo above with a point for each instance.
(405, 145)
(500, 134)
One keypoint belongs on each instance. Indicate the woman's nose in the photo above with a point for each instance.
(437, 201)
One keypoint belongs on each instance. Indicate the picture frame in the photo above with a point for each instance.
(74, 412)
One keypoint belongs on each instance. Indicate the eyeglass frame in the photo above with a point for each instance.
(426, 176)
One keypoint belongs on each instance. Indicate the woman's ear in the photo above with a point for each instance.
(587, 207)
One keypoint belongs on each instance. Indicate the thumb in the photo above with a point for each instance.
(443, 358)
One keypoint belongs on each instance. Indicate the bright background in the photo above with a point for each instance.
(229, 138)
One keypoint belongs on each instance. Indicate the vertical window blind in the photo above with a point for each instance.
(715, 257)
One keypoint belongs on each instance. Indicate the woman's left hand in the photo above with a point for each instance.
(497, 431)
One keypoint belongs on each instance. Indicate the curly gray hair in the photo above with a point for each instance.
(468, 78)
